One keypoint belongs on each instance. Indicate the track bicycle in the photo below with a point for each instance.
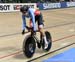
(30, 41)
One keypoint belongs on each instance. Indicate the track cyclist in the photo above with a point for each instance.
(35, 15)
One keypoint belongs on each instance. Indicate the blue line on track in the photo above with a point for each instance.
(67, 56)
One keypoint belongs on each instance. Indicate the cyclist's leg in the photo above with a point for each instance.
(41, 29)
(40, 24)
(39, 19)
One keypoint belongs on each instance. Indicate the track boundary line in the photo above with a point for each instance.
(6, 35)
(60, 25)
(64, 38)
(51, 52)
(56, 49)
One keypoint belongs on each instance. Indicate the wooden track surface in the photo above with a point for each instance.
(59, 22)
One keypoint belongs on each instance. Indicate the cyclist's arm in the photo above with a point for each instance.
(23, 22)
(33, 20)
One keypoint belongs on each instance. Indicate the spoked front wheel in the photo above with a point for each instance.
(49, 40)
(29, 47)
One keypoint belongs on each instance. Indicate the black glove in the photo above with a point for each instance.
(23, 32)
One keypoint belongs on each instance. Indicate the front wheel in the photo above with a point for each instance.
(49, 39)
(29, 47)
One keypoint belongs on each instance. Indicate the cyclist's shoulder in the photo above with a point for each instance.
(32, 10)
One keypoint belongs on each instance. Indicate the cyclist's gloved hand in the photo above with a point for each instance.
(23, 32)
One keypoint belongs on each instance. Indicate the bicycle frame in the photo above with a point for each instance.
(33, 33)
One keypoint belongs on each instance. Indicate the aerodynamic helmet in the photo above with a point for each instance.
(24, 8)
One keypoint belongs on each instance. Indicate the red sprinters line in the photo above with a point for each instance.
(13, 54)
(64, 38)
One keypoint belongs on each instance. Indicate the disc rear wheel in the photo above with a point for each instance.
(49, 40)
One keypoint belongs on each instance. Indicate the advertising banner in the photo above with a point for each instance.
(51, 5)
(15, 7)
(6, 7)
(40, 5)
(70, 4)
(43, 6)
(63, 4)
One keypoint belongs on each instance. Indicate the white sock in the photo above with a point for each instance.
(45, 40)
(46, 43)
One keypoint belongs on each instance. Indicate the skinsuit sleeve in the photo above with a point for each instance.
(23, 22)
(32, 16)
